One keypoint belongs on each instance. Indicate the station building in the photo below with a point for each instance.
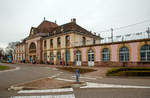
(71, 44)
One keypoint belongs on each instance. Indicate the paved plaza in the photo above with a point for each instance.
(98, 86)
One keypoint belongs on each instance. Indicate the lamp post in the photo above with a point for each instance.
(66, 48)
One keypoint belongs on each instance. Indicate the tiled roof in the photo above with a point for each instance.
(45, 27)
(71, 26)
(50, 28)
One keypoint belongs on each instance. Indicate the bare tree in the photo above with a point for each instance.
(10, 49)
(2, 54)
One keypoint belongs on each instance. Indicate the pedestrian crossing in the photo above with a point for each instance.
(47, 96)
(49, 93)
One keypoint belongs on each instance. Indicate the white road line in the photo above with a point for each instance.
(47, 96)
(17, 68)
(47, 91)
(86, 78)
(54, 76)
(65, 79)
(96, 85)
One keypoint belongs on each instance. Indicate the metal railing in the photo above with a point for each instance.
(126, 37)
(118, 38)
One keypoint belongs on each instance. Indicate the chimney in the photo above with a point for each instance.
(73, 20)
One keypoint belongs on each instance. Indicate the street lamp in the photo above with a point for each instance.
(66, 48)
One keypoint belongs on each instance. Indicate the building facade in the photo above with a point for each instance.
(19, 55)
(127, 53)
(70, 44)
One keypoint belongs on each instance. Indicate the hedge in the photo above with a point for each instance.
(129, 71)
(73, 69)
(3, 67)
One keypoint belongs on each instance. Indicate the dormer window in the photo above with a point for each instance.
(32, 31)
(54, 32)
(62, 28)
(94, 41)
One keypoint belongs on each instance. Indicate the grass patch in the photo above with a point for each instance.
(4, 67)
(129, 71)
(73, 69)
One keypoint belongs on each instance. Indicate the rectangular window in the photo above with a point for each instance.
(67, 40)
(45, 56)
(51, 43)
(58, 42)
(58, 56)
(44, 43)
(51, 56)
(67, 55)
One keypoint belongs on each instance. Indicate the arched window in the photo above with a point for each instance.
(124, 54)
(90, 55)
(58, 56)
(145, 53)
(32, 48)
(106, 54)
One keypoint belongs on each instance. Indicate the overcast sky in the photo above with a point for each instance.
(18, 16)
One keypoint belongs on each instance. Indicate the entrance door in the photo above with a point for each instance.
(90, 58)
(78, 58)
(31, 59)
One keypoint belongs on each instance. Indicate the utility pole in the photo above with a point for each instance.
(148, 32)
(111, 34)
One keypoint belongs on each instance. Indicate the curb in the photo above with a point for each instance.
(79, 85)
(16, 87)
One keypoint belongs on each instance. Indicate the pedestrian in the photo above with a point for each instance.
(77, 75)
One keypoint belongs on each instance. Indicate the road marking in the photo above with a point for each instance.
(65, 79)
(17, 68)
(86, 78)
(96, 85)
(54, 76)
(47, 91)
(47, 96)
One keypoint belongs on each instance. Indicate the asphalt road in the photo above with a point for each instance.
(32, 72)
(24, 74)
(112, 93)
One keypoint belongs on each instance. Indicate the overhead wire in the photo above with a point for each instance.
(123, 27)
